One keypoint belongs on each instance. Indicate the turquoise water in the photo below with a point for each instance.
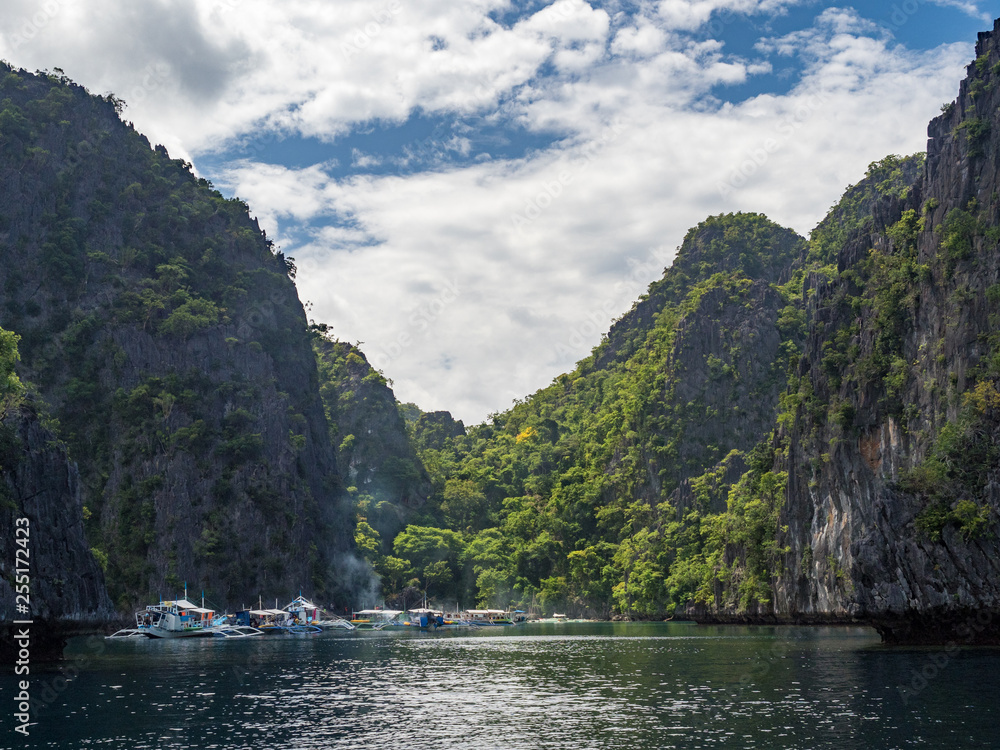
(588, 685)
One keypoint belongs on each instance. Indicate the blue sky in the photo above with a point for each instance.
(474, 190)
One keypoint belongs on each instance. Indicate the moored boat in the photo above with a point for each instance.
(307, 614)
(376, 619)
(427, 619)
(175, 619)
(236, 631)
(490, 617)
(265, 620)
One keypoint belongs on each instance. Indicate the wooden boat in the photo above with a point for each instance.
(268, 621)
(492, 617)
(376, 619)
(236, 631)
(175, 619)
(308, 615)
(427, 619)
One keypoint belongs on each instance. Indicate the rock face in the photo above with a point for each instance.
(721, 351)
(40, 484)
(165, 334)
(893, 499)
(376, 459)
(433, 429)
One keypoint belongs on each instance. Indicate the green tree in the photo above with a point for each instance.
(392, 569)
(463, 504)
(368, 541)
(424, 545)
(437, 575)
(494, 588)
(11, 390)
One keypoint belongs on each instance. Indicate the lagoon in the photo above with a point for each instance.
(566, 686)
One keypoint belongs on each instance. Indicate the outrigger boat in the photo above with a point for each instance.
(434, 619)
(489, 617)
(424, 618)
(308, 614)
(265, 620)
(236, 631)
(375, 619)
(270, 621)
(172, 619)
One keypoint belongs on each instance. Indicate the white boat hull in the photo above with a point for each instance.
(155, 632)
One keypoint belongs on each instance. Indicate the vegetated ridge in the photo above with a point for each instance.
(779, 431)
(163, 332)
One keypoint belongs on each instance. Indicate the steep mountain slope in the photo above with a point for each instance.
(44, 556)
(562, 497)
(778, 431)
(40, 493)
(375, 457)
(165, 334)
(894, 478)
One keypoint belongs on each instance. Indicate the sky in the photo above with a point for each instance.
(473, 190)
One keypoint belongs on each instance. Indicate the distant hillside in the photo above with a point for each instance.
(562, 499)
(384, 477)
(164, 332)
(780, 430)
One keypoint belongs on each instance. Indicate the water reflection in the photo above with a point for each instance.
(603, 685)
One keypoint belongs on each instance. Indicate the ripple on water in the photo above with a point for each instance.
(604, 686)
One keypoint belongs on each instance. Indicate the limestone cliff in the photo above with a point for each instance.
(38, 483)
(164, 331)
(893, 494)
(375, 457)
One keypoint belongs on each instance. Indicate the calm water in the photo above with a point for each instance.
(601, 685)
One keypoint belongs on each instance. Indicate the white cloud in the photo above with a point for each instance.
(474, 285)
(644, 39)
(969, 8)
(688, 15)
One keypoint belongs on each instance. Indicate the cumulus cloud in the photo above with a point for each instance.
(474, 282)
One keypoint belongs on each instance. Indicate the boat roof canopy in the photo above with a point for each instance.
(182, 603)
(389, 612)
(486, 611)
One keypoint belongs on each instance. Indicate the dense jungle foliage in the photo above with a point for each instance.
(646, 479)
(163, 330)
(224, 442)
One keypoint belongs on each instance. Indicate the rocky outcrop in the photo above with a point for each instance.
(710, 248)
(376, 459)
(40, 491)
(718, 354)
(893, 499)
(164, 332)
(433, 429)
